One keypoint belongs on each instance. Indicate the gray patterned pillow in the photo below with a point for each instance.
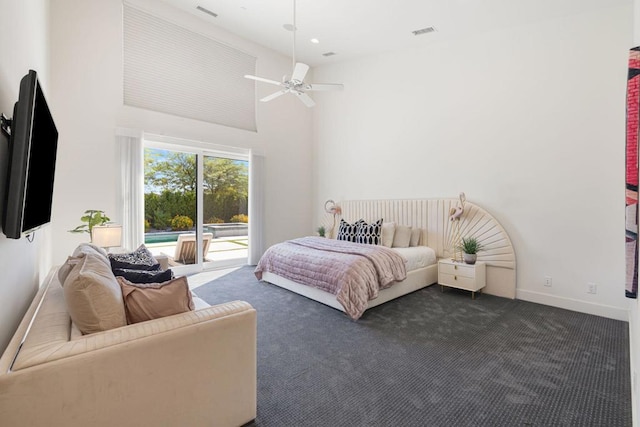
(369, 233)
(348, 231)
(140, 259)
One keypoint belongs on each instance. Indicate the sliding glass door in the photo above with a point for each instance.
(225, 206)
(195, 207)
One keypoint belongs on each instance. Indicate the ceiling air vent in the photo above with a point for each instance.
(328, 54)
(423, 31)
(207, 11)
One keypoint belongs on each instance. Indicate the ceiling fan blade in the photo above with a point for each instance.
(273, 95)
(299, 71)
(261, 79)
(306, 99)
(328, 86)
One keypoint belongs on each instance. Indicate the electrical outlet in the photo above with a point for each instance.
(592, 288)
(547, 281)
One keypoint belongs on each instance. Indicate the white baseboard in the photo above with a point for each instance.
(609, 311)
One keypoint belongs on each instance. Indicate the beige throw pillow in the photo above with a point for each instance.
(147, 301)
(65, 269)
(93, 296)
(81, 250)
(415, 237)
(388, 230)
(402, 236)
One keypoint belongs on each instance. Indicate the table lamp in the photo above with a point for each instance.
(106, 236)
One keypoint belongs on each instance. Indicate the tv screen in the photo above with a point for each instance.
(33, 146)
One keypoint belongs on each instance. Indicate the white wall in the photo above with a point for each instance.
(87, 83)
(24, 34)
(529, 122)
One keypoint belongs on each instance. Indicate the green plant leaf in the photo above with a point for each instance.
(470, 245)
(91, 217)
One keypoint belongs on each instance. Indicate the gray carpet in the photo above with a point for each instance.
(432, 359)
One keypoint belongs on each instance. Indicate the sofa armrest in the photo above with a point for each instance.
(196, 369)
(92, 342)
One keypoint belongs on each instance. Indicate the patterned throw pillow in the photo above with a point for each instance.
(144, 276)
(369, 233)
(140, 259)
(348, 231)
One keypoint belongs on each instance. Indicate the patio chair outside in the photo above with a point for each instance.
(186, 247)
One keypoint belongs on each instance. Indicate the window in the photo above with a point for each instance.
(170, 69)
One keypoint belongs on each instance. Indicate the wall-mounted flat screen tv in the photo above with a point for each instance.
(33, 144)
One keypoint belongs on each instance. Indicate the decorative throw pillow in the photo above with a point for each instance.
(415, 237)
(402, 236)
(81, 250)
(65, 269)
(348, 231)
(93, 296)
(140, 259)
(147, 301)
(369, 233)
(386, 236)
(144, 276)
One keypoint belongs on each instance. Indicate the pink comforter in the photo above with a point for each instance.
(353, 272)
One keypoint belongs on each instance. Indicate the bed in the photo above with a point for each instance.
(429, 216)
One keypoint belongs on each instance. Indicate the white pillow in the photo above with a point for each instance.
(415, 237)
(388, 230)
(402, 236)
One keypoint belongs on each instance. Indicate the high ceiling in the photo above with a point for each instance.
(352, 28)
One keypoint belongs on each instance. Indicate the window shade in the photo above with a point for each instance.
(170, 69)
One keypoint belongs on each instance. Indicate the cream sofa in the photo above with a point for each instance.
(191, 369)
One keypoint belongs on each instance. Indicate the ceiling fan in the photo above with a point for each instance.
(296, 84)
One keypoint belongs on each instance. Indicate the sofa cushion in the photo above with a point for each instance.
(81, 250)
(144, 276)
(93, 296)
(90, 248)
(147, 301)
(140, 259)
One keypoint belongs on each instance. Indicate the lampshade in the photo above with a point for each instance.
(106, 236)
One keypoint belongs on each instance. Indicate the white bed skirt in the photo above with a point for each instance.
(416, 279)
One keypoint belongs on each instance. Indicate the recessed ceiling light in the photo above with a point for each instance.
(207, 11)
(328, 54)
(315, 41)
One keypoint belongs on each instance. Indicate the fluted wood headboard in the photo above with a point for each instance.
(432, 216)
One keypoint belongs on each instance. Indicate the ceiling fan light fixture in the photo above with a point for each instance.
(296, 84)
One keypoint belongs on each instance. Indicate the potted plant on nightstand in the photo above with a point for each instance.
(470, 247)
(321, 231)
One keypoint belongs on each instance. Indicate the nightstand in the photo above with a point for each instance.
(471, 277)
